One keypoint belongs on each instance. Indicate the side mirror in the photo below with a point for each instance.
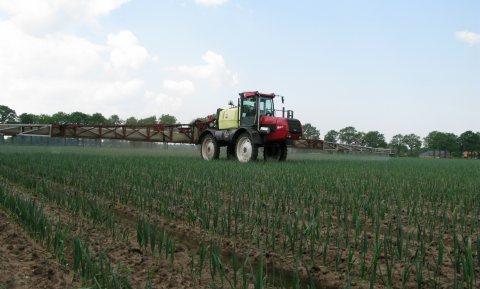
(283, 100)
(230, 103)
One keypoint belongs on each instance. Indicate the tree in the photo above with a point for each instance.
(43, 119)
(27, 118)
(374, 139)
(358, 140)
(469, 142)
(59, 117)
(348, 135)
(413, 142)
(478, 146)
(310, 132)
(131, 121)
(331, 136)
(167, 119)
(449, 143)
(148, 120)
(97, 118)
(7, 115)
(397, 144)
(78, 118)
(432, 141)
(446, 142)
(114, 120)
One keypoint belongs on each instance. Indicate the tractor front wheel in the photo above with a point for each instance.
(245, 149)
(209, 148)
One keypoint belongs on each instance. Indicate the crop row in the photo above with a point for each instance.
(388, 223)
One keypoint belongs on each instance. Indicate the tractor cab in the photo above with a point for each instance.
(253, 106)
(257, 111)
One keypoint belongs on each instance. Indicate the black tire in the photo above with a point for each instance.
(209, 149)
(271, 152)
(231, 152)
(283, 152)
(275, 152)
(245, 149)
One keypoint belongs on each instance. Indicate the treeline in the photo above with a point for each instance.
(8, 115)
(441, 144)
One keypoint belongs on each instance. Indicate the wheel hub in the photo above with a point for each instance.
(208, 149)
(244, 150)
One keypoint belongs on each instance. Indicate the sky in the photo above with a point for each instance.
(391, 66)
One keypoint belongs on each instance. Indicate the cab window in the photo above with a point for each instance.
(249, 111)
(248, 107)
(266, 107)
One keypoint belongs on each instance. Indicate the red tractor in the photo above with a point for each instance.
(249, 125)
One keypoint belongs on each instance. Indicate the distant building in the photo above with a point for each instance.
(470, 155)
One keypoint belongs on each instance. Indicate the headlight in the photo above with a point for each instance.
(264, 130)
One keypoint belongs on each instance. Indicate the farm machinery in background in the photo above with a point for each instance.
(241, 128)
(251, 124)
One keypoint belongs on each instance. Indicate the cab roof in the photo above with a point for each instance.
(249, 94)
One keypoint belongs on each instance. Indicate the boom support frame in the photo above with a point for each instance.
(178, 133)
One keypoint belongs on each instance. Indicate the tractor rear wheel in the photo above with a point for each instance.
(209, 148)
(231, 152)
(283, 152)
(275, 152)
(245, 149)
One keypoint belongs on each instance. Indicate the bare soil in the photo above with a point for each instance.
(127, 258)
(26, 264)
(140, 266)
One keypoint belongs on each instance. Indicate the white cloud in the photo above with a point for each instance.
(95, 8)
(125, 52)
(117, 91)
(184, 87)
(24, 55)
(164, 102)
(471, 38)
(63, 72)
(60, 55)
(44, 68)
(210, 2)
(37, 14)
(214, 70)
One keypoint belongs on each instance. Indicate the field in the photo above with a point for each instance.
(119, 218)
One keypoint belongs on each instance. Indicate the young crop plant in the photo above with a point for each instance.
(37, 223)
(359, 219)
(96, 269)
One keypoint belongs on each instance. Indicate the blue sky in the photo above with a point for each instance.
(392, 66)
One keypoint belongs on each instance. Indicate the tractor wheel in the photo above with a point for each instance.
(275, 152)
(271, 152)
(245, 149)
(231, 152)
(283, 152)
(209, 148)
